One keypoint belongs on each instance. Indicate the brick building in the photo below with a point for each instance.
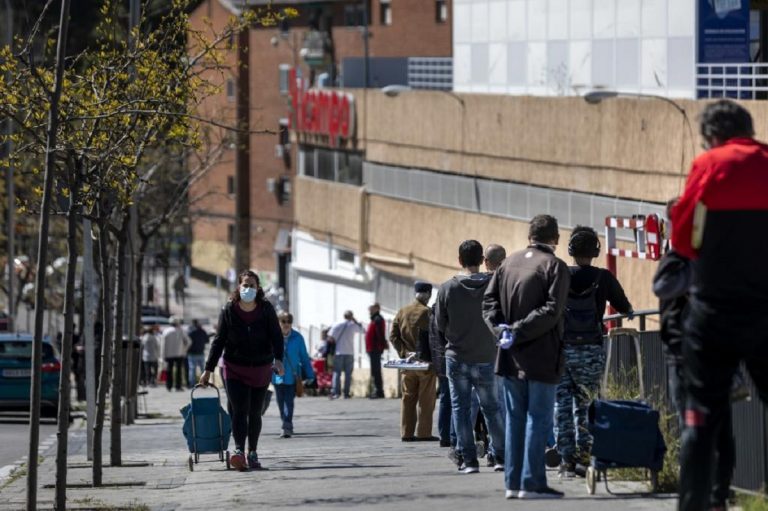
(262, 161)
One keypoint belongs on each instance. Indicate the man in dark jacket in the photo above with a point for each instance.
(196, 352)
(524, 306)
(375, 344)
(410, 334)
(713, 224)
(469, 355)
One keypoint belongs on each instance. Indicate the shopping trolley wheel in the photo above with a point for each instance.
(591, 480)
(191, 464)
(227, 459)
(654, 481)
(221, 455)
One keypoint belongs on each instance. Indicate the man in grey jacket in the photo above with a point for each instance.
(524, 305)
(470, 353)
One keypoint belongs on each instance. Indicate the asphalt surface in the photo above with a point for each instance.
(14, 435)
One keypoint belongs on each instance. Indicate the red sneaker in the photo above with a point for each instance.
(237, 460)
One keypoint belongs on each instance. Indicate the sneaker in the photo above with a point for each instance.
(253, 461)
(455, 457)
(567, 469)
(445, 443)
(333, 396)
(552, 458)
(544, 493)
(285, 434)
(511, 494)
(496, 463)
(237, 461)
(469, 467)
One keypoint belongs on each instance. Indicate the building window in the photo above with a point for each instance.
(354, 15)
(350, 168)
(326, 164)
(231, 185)
(284, 78)
(231, 234)
(284, 135)
(346, 256)
(441, 11)
(230, 89)
(385, 11)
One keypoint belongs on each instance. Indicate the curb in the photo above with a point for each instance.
(8, 471)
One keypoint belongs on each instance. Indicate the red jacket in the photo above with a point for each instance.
(376, 335)
(729, 187)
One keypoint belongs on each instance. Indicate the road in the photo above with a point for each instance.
(14, 436)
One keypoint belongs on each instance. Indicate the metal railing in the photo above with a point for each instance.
(434, 73)
(750, 417)
(738, 81)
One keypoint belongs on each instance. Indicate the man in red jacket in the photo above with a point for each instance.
(718, 224)
(375, 345)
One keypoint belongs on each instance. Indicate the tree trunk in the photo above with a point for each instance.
(115, 448)
(42, 256)
(106, 349)
(66, 356)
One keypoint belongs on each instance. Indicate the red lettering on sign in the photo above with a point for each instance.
(321, 112)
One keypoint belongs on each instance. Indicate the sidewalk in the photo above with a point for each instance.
(346, 454)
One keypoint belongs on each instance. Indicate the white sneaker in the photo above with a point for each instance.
(510, 494)
(544, 493)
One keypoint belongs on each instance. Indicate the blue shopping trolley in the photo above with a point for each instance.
(207, 427)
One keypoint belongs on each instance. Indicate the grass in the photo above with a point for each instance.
(627, 387)
(752, 502)
(19, 472)
(93, 503)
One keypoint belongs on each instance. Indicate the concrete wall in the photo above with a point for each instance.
(632, 148)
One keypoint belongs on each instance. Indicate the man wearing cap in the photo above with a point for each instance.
(410, 334)
(375, 344)
(175, 344)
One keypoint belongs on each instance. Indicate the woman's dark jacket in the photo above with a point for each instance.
(254, 344)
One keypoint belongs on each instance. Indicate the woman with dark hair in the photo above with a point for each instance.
(249, 336)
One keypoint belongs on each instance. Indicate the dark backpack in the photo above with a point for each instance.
(583, 322)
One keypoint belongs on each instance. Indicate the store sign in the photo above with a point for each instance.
(322, 112)
(723, 31)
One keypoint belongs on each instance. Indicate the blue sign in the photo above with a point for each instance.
(723, 31)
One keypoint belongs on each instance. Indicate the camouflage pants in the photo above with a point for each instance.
(579, 384)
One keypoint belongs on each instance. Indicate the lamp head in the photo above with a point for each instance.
(596, 96)
(394, 90)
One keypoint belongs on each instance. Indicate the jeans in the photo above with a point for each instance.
(245, 405)
(463, 378)
(194, 362)
(174, 375)
(150, 372)
(378, 384)
(444, 413)
(285, 395)
(342, 363)
(529, 422)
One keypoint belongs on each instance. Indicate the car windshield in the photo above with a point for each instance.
(22, 349)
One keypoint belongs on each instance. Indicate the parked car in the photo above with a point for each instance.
(160, 321)
(16, 369)
(154, 310)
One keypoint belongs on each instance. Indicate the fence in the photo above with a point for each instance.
(750, 418)
(737, 81)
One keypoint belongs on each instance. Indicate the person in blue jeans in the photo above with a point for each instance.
(295, 360)
(524, 305)
(342, 336)
(196, 351)
(470, 352)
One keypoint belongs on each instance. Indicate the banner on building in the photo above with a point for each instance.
(723, 31)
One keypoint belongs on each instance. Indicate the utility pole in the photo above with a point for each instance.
(10, 193)
(243, 156)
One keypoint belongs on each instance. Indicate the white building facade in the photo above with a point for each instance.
(567, 47)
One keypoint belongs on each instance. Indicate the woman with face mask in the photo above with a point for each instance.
(249, 336)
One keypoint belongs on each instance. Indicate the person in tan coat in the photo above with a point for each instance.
(410, 334)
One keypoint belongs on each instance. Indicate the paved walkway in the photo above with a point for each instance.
(346, 454)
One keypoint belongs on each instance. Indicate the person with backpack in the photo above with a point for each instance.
(590, 289)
